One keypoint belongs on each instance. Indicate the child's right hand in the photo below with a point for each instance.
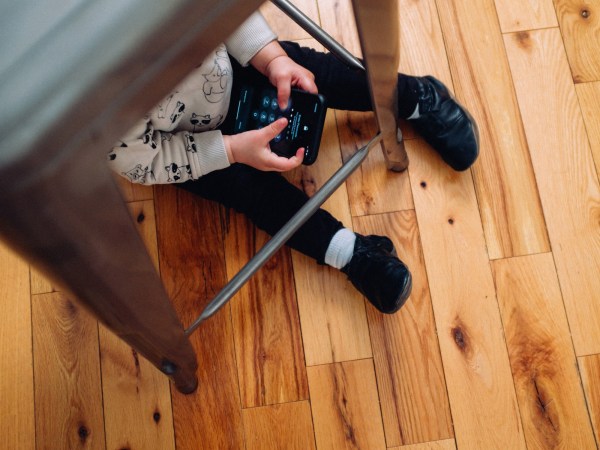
(252, 148)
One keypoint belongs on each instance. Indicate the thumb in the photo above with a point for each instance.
(275, 128)
(284, 88)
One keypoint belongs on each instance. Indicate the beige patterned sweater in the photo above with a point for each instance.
(177, 140)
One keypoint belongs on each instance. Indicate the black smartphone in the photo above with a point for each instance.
(257, 107)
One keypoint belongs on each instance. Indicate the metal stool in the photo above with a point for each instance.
(61, 209)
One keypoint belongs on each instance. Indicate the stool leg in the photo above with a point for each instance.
(65, 214)
(378, 30)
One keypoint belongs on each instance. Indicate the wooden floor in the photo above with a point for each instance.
(499, 344)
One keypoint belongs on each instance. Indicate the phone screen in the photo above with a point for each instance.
(257, 107)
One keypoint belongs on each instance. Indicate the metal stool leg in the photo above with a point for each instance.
(65, 214)
(60, 207)
(383, 84)
(378, 30)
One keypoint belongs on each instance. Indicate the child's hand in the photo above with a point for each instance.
(283, 73)
(252, 148)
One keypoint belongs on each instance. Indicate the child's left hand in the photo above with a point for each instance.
(283, 73)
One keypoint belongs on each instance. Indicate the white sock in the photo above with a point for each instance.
(415, 114)
(341, 248)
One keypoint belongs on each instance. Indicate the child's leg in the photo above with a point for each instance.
(269, 201)
(346, 88)
(444, 123)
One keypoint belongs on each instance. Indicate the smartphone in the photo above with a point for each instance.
(257, 107)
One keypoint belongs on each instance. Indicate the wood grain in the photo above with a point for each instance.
(17, 425)
(580, 27)
(144, 217)
(422, 50)
(506, 191)
(543, 362)
(480, 386)
(68, 391)
(589, 99)
(372, 189)
(286, 28)
(410, 376)
(525, 15)
(447, 444)
(566, 176)
(280, 427)
(190, 243)
(590, 375)
(137, 399)
(266, 325)
(337, 19)
(344, 406)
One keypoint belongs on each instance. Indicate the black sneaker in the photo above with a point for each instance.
(445, 124)
(378, 274)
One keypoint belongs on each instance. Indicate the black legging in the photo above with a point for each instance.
(267, 198)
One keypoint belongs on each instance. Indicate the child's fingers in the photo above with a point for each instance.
(274, 128)
(283, 164)
(284, 89)
(307, 83)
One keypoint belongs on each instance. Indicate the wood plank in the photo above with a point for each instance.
(190, 243)
(372, 189)
(68, 391)
(137, 399)
(345, 406)
(266, 325)
(588, 95)
(283, 26)
(567, 181)
(590, 375)
(521, 15)
(17, 424)
(508, 199)
(543, 362)
(420, 23)
(279, 427)
(337, 19)
(580, 28)
(481, 392)
(422, 49)
(410, 376)
(332, 312)
(447, 444)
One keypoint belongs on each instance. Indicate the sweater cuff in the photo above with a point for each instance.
(211, 155)
(249, 39)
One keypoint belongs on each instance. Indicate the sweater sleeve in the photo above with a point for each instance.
(149, 156)
(249, 38)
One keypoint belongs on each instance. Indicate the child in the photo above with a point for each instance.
(187, 139)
